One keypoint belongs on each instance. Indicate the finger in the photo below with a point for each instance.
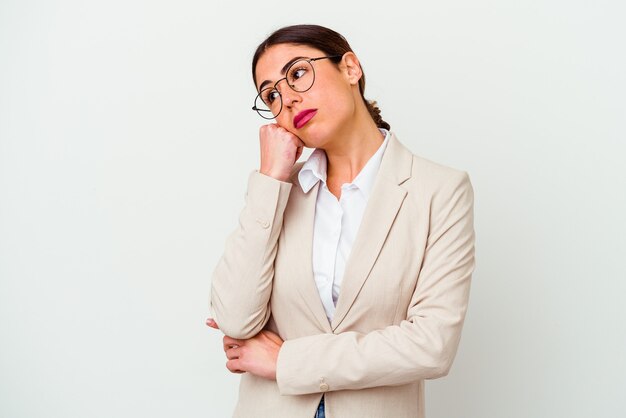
(229, 346)
(232, 341)
(211, 322)
(268, 127)
(229, 342)
(233, 366)
(233, 353)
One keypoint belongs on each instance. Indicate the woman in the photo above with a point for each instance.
(347, 281)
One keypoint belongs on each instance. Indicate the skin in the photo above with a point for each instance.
(342, 127)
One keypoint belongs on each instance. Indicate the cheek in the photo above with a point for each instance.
(339, 105)
(285, 120)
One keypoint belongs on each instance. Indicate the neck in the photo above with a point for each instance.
(357, 145)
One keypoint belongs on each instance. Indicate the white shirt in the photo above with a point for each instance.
(336, 221)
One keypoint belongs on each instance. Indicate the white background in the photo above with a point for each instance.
(126, 138)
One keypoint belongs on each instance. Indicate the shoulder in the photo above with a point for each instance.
(426, 173)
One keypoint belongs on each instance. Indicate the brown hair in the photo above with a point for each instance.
(327, 41)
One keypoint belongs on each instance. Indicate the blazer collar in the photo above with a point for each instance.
(396, 163)
(381, 210)
(383, 205)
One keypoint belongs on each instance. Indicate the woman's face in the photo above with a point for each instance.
(319, 114)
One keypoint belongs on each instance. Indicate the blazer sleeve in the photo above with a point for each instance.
(421, 347)
(242, 280)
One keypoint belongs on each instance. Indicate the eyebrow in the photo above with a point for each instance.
(282, 71)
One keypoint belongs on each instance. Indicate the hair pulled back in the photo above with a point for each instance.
(327, 41)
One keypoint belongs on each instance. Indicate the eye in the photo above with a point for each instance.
(270, 96)
(297, 72)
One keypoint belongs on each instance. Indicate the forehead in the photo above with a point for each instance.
(275, 57)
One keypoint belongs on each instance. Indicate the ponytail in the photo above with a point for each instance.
(374, 110)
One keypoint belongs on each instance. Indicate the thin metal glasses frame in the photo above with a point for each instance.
(264, 112)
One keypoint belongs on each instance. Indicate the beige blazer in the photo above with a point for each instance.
(402, 304)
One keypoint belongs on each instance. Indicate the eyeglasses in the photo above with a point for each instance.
(300, 77)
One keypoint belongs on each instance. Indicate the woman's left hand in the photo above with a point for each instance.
(257, 355)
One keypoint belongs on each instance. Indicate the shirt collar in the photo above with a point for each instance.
(314, 169)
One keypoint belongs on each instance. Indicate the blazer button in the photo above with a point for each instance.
(264, 224)
(324, 387)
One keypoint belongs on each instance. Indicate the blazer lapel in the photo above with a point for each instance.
(382, 207)
(300, 230)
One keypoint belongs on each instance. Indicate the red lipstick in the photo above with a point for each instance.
(303, 117)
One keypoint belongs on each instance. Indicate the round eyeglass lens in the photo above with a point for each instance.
(301, 76)
(268, 103)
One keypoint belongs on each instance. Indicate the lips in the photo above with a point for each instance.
(303, 117)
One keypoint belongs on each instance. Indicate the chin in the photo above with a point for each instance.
(312, 139)
(319, 137)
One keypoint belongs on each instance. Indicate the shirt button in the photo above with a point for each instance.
(324, 387)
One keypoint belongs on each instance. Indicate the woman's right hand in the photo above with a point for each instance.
(280, 149)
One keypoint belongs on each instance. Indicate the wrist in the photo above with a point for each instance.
(275, 175)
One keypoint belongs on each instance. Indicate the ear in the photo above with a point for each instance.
(352, 68)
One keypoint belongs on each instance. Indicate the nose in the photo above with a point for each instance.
(288, 94)
(290, 97)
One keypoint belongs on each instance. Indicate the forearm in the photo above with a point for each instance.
(416, 349)
(242, 280)
(423, 346)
